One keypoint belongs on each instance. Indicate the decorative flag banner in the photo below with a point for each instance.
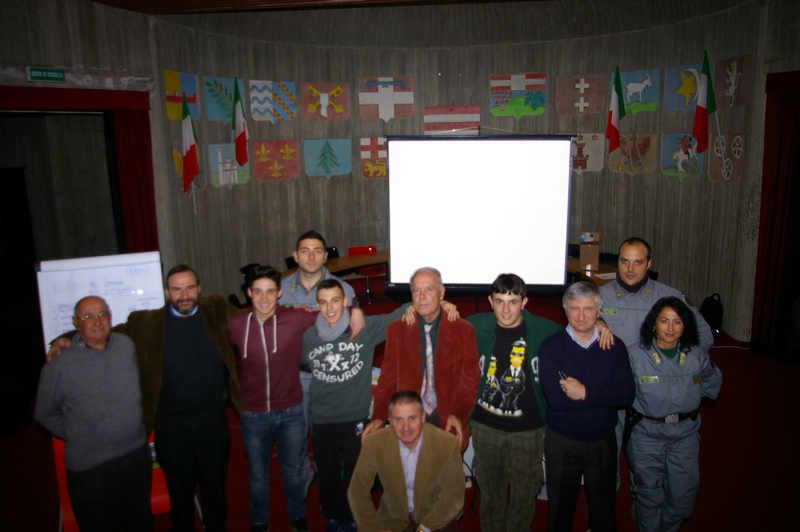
(517, 95)
(640, 90)
(454, 120)
(219, 97)
(190, 166)
(239, 127)
(581, 95)
(588, 152)
(275, 160)
(327, 157)
(386, 98)
(636, 154)
(726, 158)
(325, 101)
(223, 167)
(616, 111)
(706, 105)
(732, 79)
(177, 163)
(176, 86)
(272, 101)
(679, 156)
(680, 87)
(373, 157)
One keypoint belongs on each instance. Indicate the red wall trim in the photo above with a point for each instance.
(54, 98)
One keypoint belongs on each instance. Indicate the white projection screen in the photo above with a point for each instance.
(477, 207)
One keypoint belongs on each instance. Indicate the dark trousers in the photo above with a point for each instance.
(566, 460)
(336, 450)
(452, 526)
(115, 494)
(192, 453)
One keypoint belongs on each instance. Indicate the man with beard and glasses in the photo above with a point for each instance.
(187, 371)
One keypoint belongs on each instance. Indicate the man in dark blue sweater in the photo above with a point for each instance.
(584, 386)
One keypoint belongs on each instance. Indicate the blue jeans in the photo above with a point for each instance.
(288, 429)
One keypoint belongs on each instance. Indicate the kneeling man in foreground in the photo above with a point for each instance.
(420, 469)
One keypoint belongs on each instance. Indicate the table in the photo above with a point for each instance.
(607, 272)
(351, 262)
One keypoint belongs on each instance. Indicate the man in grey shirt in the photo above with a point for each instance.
(300, 288)
(90, 397)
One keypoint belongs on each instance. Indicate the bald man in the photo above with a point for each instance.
(90, 397)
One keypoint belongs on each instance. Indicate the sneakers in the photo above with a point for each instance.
(299, 525)
(309, 481)
(334, 526)
(340, 526)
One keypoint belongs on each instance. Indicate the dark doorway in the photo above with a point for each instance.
(19, 367)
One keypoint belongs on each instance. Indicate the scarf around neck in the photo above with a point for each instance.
(327, 332)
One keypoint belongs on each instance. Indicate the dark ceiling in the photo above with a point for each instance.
(175, 7)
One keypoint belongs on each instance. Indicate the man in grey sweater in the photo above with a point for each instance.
(339, 395)
(341, 392)
(90, 397)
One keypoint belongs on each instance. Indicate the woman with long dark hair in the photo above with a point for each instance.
(671, 375)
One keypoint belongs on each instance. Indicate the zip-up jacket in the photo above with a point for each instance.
(269, 357)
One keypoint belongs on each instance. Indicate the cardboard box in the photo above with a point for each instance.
(589, 258)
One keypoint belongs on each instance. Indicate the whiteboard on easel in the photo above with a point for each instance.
(127, 282)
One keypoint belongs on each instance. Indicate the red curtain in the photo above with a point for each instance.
(135, 171)
(131, 117)
(776, 284)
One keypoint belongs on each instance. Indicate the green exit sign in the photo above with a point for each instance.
(53, 75)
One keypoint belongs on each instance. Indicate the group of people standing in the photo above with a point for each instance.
(521, 386)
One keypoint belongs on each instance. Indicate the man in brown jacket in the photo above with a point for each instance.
(420, 470)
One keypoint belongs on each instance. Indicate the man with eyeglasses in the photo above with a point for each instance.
(188, 371)
(90, 397)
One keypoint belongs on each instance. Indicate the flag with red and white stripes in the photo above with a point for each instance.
(453, 120)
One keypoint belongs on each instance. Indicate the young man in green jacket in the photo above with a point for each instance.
(508, 424)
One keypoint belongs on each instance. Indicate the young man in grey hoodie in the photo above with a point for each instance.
(340, 394)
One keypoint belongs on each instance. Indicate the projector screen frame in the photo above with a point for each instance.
(399, 286)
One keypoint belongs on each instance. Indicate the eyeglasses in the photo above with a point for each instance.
(102, 316)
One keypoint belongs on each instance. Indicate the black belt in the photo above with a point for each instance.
(673, 418)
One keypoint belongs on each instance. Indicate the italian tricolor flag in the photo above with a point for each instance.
(706, 105)
(189, 151)
(616, 111)
(239, 126)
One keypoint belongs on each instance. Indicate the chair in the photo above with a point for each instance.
(159, 497)
(368, 271)
(609, 258)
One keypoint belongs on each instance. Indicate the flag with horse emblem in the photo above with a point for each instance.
(386, 97)
(276, 160)
(679, 156)
(373, 157)
(325, 101)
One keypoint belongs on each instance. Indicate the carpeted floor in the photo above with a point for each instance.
(750, 467)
